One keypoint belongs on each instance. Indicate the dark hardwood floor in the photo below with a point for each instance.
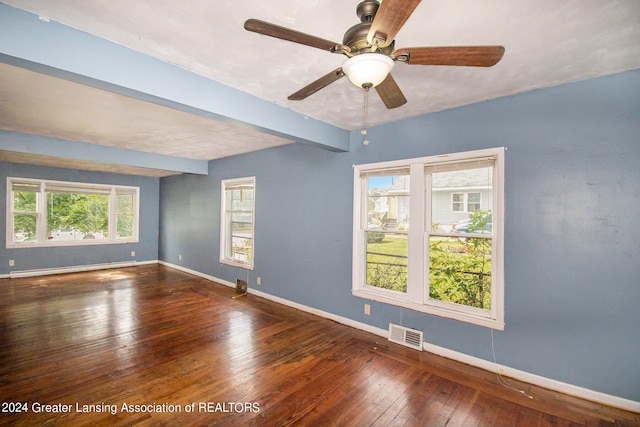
(157, 346)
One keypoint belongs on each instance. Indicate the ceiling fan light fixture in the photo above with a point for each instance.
(368, 69)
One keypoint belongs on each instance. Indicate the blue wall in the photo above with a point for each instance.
(572, 200)
(54, 257)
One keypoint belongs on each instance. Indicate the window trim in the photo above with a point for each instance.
(416, 297)
(46, 185)
(224, 259)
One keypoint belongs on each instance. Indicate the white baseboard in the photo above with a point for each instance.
(548, 383)
(196, 273)
(538, 380)
(570, 389)
(75, 269)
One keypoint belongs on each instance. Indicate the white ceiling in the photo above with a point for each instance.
(43, 105)
(547, 43)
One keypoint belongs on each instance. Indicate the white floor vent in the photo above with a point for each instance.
(405, 336)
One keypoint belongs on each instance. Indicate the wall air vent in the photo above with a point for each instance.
(405, 336)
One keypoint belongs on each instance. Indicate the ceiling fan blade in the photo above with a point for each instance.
(470, 56)
(390, 17)
(312, 88)
(390, 93)
(262, 27)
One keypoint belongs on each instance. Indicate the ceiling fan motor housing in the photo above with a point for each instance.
(356, 36)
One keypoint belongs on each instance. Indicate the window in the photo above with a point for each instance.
(465, 202)
(56, 213)
(428, 235)
(457, 204)
(237, 222)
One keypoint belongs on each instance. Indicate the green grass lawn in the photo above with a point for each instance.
(387, 263)
(460, 270)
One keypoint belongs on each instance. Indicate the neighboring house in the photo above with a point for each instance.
(455, 194)
(391, 203)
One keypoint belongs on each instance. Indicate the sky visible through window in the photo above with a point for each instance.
(380, 182)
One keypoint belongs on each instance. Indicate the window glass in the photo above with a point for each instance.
(124, 226)
(241, 236)
(387, 201)
(473, 202)
(458, 202)
(240, 199)
(237, 224)
(460, 266)
(460, 271)
(51, 213)
(25, 216)
(77, 216)
(428, 235)
(387, 255)
(124, 214)
(451, 185)
(124, 204)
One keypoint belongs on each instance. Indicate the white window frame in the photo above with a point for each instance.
(225, 258)
(417, 295)
(41, 212)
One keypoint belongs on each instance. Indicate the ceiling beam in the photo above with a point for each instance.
(64, 52)
(53, 147)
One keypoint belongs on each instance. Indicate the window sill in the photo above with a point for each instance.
(238, 264)
(67, 243)
(429, 309)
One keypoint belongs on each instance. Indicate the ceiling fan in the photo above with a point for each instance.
(370, 48)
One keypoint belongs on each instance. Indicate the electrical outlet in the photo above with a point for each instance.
(180, 257)
(133, 253)
(258, 281)
(367, 309)
(12, 263)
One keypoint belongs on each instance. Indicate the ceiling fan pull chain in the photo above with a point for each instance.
(365, 114)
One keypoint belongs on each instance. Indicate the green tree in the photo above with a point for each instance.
(460, 271)
(24, 219)
(124, 215)
(89, 214)
(58, 207)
